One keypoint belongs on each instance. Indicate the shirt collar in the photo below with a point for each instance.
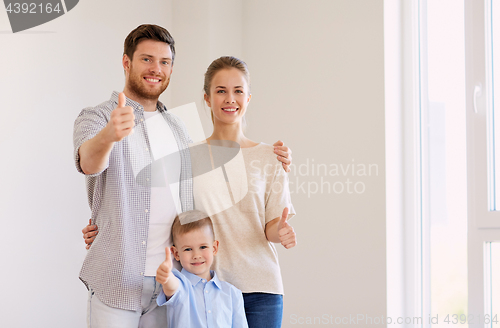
(134, 104)
(215, 279)
(194, 279)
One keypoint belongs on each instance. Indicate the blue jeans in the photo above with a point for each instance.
(263, 310)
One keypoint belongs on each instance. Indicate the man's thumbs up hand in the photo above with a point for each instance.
(121, 122)
(121, 100)
(285, 231)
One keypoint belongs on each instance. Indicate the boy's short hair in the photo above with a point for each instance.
(189, 221)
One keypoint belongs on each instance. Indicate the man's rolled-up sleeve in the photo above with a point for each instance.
(88, 124)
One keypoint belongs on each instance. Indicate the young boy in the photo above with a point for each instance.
(195, 297)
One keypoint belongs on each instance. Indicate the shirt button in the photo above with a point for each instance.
(203, 280)
(142, 273)
(146, 210)
(144, 242)
(142, 119)
(147, 179)
(206, 291)
(147, 149)
(209, 311)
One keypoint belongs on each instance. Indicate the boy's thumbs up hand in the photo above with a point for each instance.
(121, 123)
(165, 269)
(285, 231)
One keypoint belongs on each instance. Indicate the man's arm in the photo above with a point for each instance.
(280, 231)
(284, 154)
(89, 233)
(165, 277)
(94, 153)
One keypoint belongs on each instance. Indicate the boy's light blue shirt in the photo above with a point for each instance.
(201, 304)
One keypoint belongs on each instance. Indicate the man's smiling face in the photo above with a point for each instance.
(148, 73)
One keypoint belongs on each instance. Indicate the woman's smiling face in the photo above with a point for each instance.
(229, 96)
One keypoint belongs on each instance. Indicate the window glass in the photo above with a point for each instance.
(444, 161)
(493, 72)
(495, 284)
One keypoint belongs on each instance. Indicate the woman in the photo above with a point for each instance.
(258, 207)
(246, 231)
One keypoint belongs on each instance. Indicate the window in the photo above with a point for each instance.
(446, 119)
(483, 219)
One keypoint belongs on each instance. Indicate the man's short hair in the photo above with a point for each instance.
(147, 32)
(189, 221)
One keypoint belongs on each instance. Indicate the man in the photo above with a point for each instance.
(134, 189)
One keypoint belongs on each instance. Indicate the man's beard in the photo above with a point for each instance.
(136, 86)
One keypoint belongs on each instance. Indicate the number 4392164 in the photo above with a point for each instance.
(33, 8)
(471, 319)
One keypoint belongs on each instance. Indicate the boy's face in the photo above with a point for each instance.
(195, 250)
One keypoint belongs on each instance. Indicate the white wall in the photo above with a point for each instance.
(317, 71)
(317, 82)
(47, 75)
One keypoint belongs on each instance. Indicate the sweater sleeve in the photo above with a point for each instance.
(278, 195)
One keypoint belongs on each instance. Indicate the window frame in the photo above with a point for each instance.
(407, 268)
(483, 225)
